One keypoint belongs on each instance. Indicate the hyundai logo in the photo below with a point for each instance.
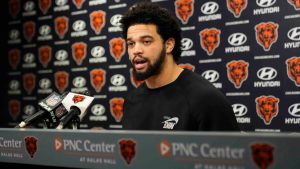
(14, 85)
(79, 82)
(294, 34)
(45, 83)
(29, 6)
(61, 55)
(97, 51)
(294, 110)
(28, 58)
(14, 34)
(79, 25)
(98, 109)
(115, 20)
(211, 75)
(186, 44)
(61, 2)
(266, 73)
(239, 109)
(265, 3)
(45, 30)
(209, 8)
(237, 39)
(117, 80)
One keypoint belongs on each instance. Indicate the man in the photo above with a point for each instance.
(171, 98)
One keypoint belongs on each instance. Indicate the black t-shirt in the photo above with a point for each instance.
(190, 103)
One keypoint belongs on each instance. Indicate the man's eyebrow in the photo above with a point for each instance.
(142, 37)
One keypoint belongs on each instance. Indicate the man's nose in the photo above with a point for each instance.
(137, 48)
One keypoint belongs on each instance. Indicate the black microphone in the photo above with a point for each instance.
(51, 108)
(76, 104)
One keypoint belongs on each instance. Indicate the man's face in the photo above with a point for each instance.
(146, 50)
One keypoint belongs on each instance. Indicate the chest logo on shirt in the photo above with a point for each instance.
(170, 123)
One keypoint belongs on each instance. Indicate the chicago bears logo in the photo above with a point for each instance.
(45, 55)
(236, 7)
(79, 52)
(14, 58)
(116, 108)
(210, 40)
(29, 30)
(262, 155)
(266, 34)
(237, 72)
(293, 69)
(14, 107)
(98, 78)
(78, 3)
(136, 83)
(61, 80)
(187, 66)
(267, 108)
(29, 82)
(184, 10)
(127, 148)
(44, 5)
(295, 3)
(61, 26)
(31, 145)
(78, 98)
(14, 8)
(97, 21)
(117, 48)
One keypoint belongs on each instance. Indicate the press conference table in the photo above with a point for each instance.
(105, 149)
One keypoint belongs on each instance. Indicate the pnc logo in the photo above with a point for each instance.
(211, 75)
(266, 73)
(239, 109)
(209, 8)
(265, 3)
(165, 148)
(237, 39)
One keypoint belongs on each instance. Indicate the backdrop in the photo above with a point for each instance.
(248, 49)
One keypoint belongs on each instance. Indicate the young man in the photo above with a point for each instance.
(171, 98)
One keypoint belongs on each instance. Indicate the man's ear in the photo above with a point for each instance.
(170, 43)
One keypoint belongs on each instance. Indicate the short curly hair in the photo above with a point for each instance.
(150, 13)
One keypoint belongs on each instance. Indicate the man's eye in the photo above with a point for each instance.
(147, 42)
(129, 44)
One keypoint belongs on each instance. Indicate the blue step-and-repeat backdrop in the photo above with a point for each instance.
(248, 49)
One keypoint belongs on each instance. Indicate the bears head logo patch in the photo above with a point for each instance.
(44, 5)
(61, 80)
(14, 57)
(117, 48)
(127, 148)
(236, 7)
(267, 108)
(14, 107)
(45, 55)
(184, 10)
(31, 145)
(97, 21)
(116, 108)
(14, 8)
(262, 155)
(187, 66)
(98, 78)
(78, 98)
(79, 52)
(210, 40)
(61, 26)
(78, 3)
(136, 83)
(266, 34)
(29, 30)
(29, 82)
(293, 69)
(237, 72)
(295, 4)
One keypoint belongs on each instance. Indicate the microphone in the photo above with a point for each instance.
(76, 104)
(51, 109)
